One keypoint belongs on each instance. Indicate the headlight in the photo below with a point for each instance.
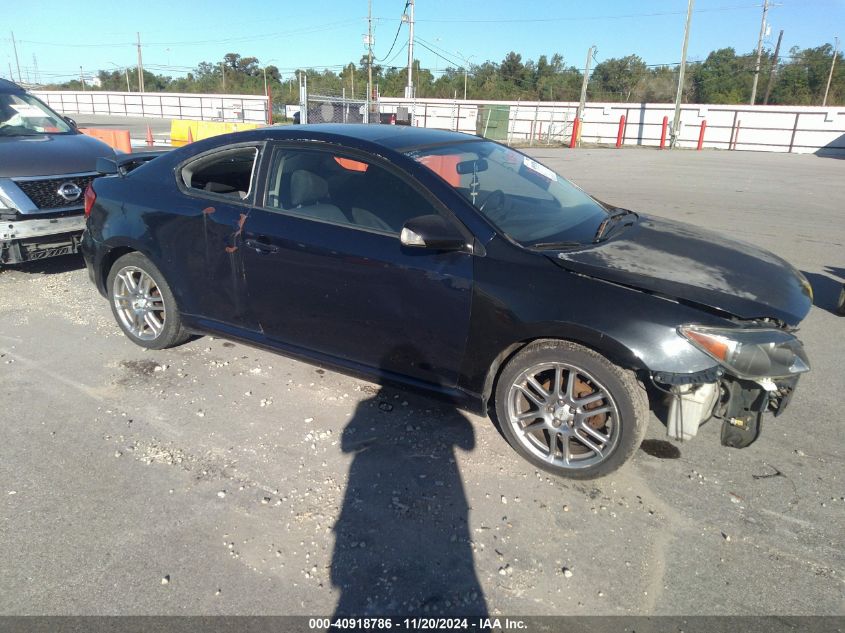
(750, 353)
(6, 205)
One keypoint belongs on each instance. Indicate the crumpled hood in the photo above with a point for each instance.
(50, 154)
(688, 263)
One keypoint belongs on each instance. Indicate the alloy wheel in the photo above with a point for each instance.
(563, 415)
(138, 303)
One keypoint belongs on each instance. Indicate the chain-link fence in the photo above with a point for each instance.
(514, 123)
(326, 108)
(334, 109)
(511, 123)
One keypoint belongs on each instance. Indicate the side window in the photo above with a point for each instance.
(226, 173)
(329, 187)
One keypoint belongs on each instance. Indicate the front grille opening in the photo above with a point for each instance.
(45, 193)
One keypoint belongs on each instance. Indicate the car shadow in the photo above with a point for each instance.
(402, 540)
(834, 149)
(826, 289)
(49, 265)
(836, 272)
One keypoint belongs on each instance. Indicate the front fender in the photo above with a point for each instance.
(633, 329)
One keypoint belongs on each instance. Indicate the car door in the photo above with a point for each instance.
(325, 269)
(218, 191)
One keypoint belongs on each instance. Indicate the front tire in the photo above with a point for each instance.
(143, 304)
(569, 410)
(840, 305)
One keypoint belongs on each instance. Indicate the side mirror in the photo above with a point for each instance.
(70, 122)
(432, 231)
(106, 166)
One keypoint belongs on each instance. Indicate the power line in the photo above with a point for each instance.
(330, 26)
(396, 37)
(583, 18)
(246, 38)
(423, 43)
(398, 53)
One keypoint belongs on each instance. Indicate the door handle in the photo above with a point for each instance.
(261, 246)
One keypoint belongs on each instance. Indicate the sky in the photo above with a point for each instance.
(178, 35)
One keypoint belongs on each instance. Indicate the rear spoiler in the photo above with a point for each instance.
(124, 163)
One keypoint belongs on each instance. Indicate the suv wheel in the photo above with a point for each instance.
(569, 410)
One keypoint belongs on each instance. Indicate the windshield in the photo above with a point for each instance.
(24, 115)
(522, 198)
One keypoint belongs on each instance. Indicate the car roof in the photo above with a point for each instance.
(395, 137)
(7, 86)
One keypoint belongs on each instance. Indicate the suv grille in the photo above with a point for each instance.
(45, 193)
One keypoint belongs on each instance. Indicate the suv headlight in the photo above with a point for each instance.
(750, 353)
(5, 203)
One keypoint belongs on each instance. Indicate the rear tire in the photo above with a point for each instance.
(569, 410)
(143, 304)
(840, 305)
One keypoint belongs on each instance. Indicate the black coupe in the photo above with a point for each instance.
(452, 263)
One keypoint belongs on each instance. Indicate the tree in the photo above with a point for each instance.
(724, 77)
(512, 68)
(617, 79)
(802, 80)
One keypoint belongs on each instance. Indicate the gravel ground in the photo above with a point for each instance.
(219, 479)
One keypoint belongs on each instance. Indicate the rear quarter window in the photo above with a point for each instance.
(229, 173)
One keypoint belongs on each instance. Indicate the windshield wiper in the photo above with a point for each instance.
(557, 245)
(609, 221)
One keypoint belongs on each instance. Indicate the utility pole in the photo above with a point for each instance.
(223, 72)
(759, 51)
(774, 70)
(369, 59)
(676, 122)
(830, 76)
(126, 74)
(140, 67)
(409, 89)
(35, 69)
(17, 63)
(82, 78)
(580, 114)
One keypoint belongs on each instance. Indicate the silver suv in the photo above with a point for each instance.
(45, 166)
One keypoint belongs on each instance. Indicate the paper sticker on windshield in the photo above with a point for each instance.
(540, 169)
(27, 111)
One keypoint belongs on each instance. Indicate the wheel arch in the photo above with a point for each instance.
(612, 349)
(109, 260)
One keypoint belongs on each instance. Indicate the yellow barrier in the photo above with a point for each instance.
(118, 139)
(203, 129)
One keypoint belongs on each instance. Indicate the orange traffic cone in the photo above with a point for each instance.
(190, 136)
(149, 137)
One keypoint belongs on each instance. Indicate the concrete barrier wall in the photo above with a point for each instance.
(796, 129)
(201, 107)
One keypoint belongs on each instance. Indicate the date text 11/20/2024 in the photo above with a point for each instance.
(416, 624)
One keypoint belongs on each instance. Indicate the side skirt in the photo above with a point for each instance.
(461, 399)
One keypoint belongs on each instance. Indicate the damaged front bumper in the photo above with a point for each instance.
(37, 238)
(758, 366)
(738, 403)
